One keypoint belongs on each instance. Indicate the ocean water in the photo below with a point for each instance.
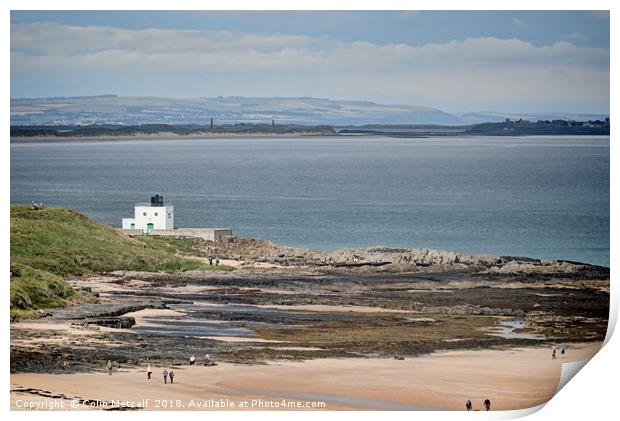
(543, 197)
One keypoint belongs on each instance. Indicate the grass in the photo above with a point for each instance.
(50, 245)
(34, 289)
(185, 245)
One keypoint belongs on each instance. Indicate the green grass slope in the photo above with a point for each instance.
(50, 245)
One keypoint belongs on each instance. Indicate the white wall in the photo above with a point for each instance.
(162, 217)
(127, 223)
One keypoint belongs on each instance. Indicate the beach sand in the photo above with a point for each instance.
(174, 136)
(511, 379)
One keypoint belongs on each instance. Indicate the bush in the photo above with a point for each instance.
(20, 300)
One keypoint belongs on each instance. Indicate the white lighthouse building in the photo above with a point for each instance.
(149, 217)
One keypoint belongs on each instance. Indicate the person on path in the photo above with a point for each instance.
(149, 372)
(468, 405)
(165, 373)
(487, 405)
(171, 376)
(109, 367)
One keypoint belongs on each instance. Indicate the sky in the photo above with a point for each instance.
(457, 61)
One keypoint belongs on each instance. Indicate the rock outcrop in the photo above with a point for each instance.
(383, 258)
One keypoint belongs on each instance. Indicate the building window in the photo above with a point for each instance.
(169, 214)
(143, 213)
(155, 213)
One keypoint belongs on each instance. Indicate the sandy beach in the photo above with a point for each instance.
(511, 379)
(292, 329)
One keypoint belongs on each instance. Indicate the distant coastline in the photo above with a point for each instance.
(45, 134)
(163, 136)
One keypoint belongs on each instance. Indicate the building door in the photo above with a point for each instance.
(133, 226)
(149, 228)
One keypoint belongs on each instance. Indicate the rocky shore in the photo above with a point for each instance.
(286, 303)
(386, 259)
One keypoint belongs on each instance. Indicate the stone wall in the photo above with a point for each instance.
(211, 234)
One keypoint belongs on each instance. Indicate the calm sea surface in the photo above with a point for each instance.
(545, 197)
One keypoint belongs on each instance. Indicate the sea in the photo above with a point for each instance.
(543, 197)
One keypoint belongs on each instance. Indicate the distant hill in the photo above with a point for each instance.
(224, 110)
(111, 109)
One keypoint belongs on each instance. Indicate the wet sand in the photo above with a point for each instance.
(511, 379)
(331, 308)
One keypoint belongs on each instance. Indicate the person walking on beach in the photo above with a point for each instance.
(149, 372)
(468, 405)
(109, 367)
(562, 352)
(207, 359)
(487, 405)
(192, 359)
(553, 355)
(171, 376)
(165, 373)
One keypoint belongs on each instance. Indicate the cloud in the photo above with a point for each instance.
(49, 44)
(479, 71)
(53, 38)
(518, 22)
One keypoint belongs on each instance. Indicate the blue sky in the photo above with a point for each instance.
(457, 61)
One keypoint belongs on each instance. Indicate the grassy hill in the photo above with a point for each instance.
(50, 245)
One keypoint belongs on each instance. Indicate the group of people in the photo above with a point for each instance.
(217, 261)
(192, 359)
(470, 407)
(167, 374)
(554, 353)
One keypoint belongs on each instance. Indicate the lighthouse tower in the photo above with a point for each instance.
(151, 216)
